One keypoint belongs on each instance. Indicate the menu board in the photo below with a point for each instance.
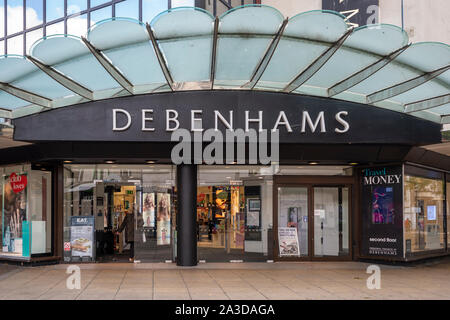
(288, 242)
(82, 236)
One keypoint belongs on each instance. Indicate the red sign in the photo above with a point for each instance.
(18, 183)
(66, 246)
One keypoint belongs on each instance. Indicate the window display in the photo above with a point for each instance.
(423, 210)
(144, 191)
(233, 217)
(26, 208)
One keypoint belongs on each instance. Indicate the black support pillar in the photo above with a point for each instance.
(187, 217)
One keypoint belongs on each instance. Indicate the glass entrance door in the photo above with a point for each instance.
(313, 222)
(293, 240)
(331, 207)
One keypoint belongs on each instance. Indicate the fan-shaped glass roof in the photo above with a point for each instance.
(248, 48)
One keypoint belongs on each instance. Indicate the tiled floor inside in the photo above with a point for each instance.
(238, 281)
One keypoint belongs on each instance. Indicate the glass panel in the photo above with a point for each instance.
(41, 210)
(15, 211)
(15, 16)
(183, 3)
(101, 14)
(299, 46)
(55, 10)
(77, 26)
(34, 13)
(129, 9)
(57, 28)
(15, 45)
(331, 210)
(75, 6)
(234, 214)
(144, 68)
(262, 22)
(190, 32)
(107, 193)
(423, 210)
(95, 3)
(2, 47)
(32, 37)
(11, 102)
(293, 213)
(151, 8)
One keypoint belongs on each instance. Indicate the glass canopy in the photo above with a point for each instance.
(251, 47)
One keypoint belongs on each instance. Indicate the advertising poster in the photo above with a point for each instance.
(288, 242)
(148, 212)
(382, 208)
(82, 236)
(163, 219)
(14, 211)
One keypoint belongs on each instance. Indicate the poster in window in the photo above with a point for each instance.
(163, 219)
(221, 201)
(431, 213)
(82, 236)
(253, 219)
(14, 211)
(383, 211)
(149, 210)
(288, 242)
(293, 217)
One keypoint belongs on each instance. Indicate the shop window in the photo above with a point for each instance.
(15, 215)
(423, 216)
(26, 222)
(234, 213)
(97, 199)
(40, 212)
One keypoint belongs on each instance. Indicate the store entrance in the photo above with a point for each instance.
(150, 237)
(313, 222)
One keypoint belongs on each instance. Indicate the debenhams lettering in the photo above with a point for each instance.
(307, 123)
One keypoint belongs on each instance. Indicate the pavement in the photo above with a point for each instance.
(224, 281)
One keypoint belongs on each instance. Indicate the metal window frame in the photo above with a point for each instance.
(112, 3)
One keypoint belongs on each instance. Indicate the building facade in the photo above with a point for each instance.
(89, 125)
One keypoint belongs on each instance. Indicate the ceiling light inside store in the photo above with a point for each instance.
(68, 161)
(110, 161)
(150, 161)
(313, 162)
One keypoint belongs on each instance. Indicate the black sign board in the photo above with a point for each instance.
(382, 211)
(299, 119)
(357, 12)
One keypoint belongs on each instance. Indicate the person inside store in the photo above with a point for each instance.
(128, 225)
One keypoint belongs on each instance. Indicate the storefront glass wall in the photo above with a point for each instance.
(313, 217)
(234, 213)
(423, 210)
(104, 194)
(26, 207)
